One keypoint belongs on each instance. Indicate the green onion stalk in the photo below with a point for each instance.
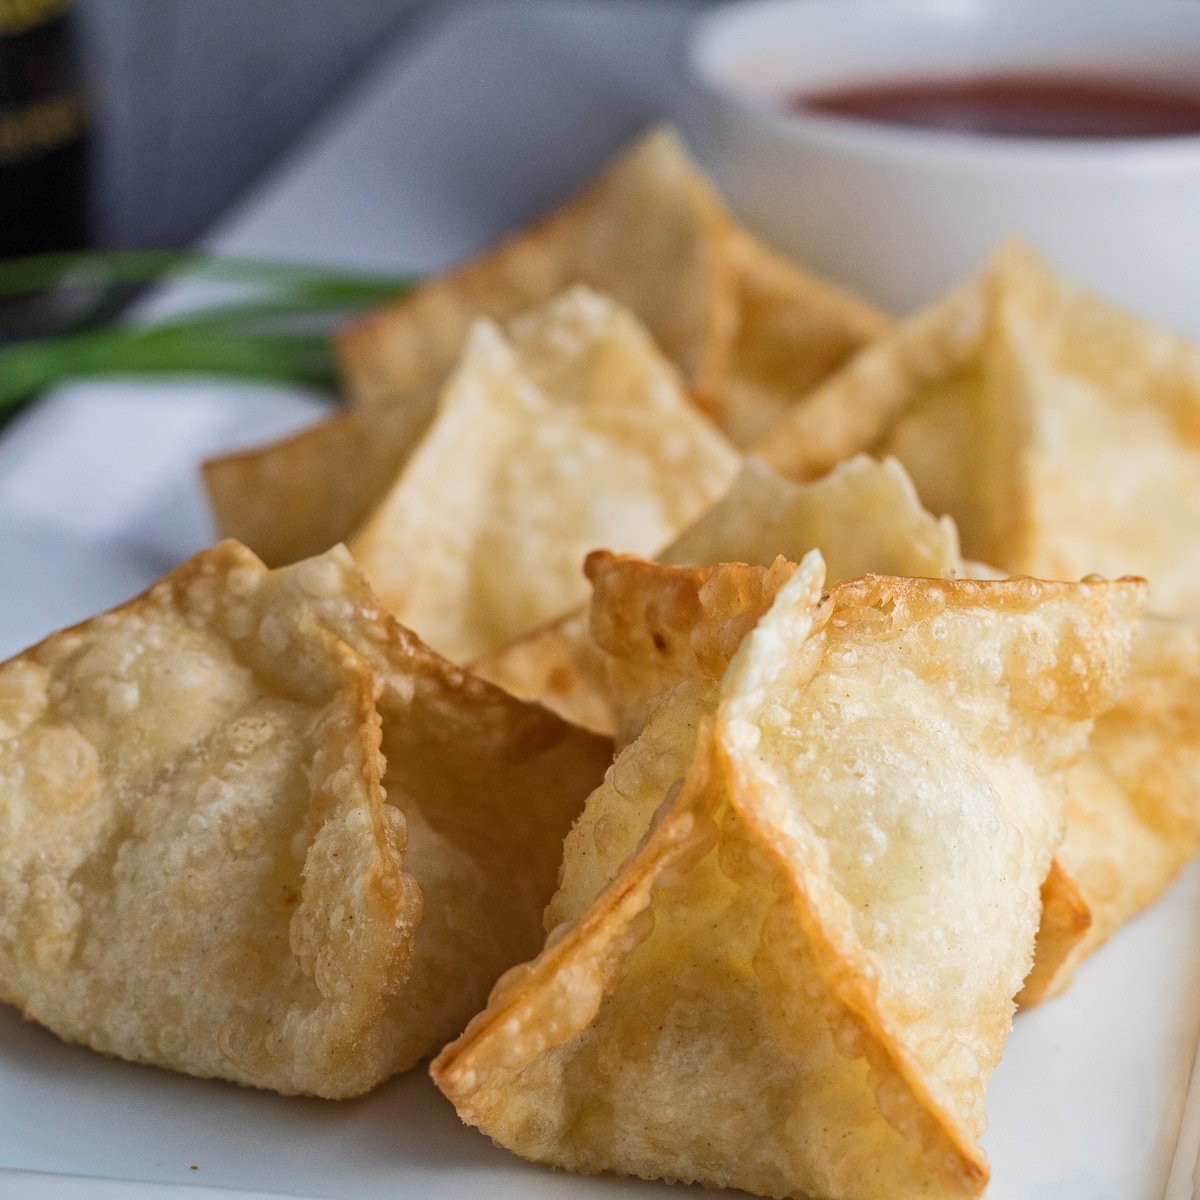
(280, 334)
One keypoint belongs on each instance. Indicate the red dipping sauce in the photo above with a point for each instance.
(1031, 106)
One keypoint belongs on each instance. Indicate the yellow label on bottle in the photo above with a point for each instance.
(16, 16)
(40, 126)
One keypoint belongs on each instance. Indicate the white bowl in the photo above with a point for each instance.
(900, 214)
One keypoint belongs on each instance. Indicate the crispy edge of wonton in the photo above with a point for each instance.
(388, 891)
(864, 516)
(1135, 796)
(686, 631)
(414, 341)
(297, 497)
(794, 331)
(850, 412)
(656, 625)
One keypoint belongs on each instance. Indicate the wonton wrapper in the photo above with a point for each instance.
(206, 861)
(864, 518)
(1133, 805)
(1061, 434)
(571, 433)
(297, 497)
(797, 978)
(559, 666)
(1133, 819)
(749, 331)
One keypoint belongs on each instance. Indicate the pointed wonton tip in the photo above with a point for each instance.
(864, 517)
(649, 229)
(566, 431)
(761, 656)
(851, 411)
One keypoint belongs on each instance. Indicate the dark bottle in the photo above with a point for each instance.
(43, 131)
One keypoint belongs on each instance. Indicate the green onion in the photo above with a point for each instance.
(111, 268)
(280, 335)
(30, 367)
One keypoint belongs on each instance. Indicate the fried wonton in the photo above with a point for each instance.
(793, 919)
(1133, 805)
(864, 518)
(750, 331)
(1126, 838)
(569, 433)
(250, 828)
(1062, 434)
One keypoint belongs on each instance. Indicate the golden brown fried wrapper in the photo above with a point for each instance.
(558, 666)
(569, 433)
(650, 231)
(208, 863)
(749, 331)
(657, 627)
(1062, 434)
(296, 498)
(1133, 805)
(794, 917)
(1125, 839)
(864, 517)
(794, 330)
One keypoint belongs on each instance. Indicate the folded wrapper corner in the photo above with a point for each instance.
(566, 431)
(1060, 433)
(1133, 818)
(748, 331)
(864, 517)
(251, 828)
(1133, 806)
(793, 919)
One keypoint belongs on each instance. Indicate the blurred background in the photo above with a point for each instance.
(165, 111)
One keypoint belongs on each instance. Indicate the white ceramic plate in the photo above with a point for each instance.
(492, 117)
